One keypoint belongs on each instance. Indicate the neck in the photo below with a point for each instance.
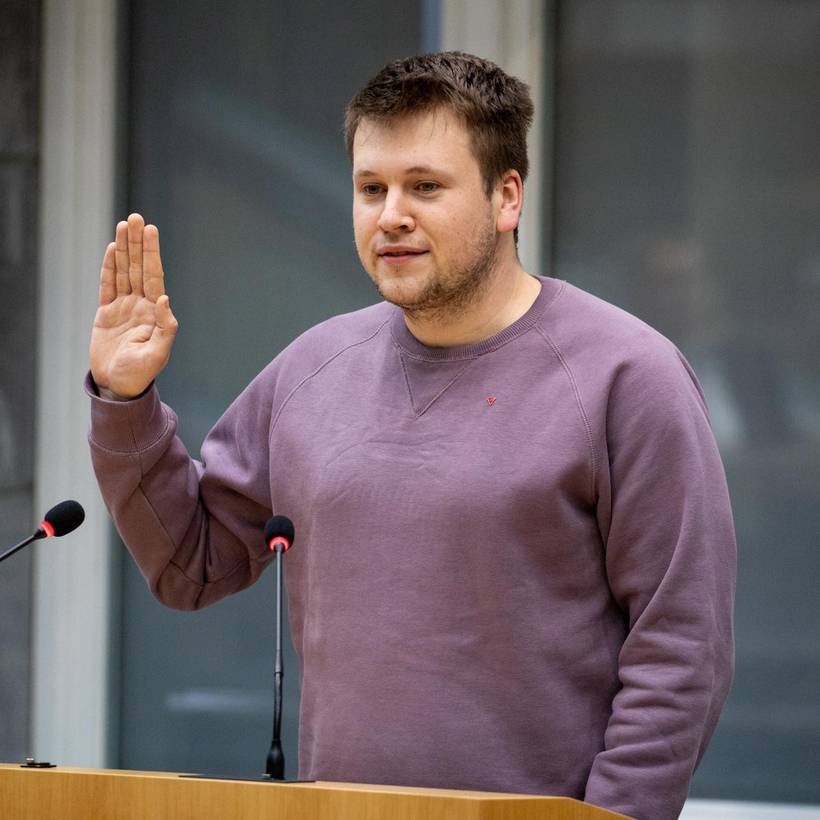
(507, 295)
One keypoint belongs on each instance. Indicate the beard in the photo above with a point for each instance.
(448, 293)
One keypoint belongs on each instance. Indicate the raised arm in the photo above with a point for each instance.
(193, 527)
(134, 328)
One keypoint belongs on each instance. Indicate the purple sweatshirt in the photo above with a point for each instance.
(515, 560)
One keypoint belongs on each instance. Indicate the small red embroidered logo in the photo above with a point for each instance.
(490, 400)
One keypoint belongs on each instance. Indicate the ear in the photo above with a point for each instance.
(509, 194)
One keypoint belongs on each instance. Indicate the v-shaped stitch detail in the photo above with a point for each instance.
(439, 376)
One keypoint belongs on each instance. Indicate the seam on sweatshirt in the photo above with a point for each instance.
(171, 541)
(135, 451)
(445, 388)
(209, 584)
(318, 370)
(170, 562)
(406, 378)
(423, 410)
(204, 587)
(134, 443)
(593, 456)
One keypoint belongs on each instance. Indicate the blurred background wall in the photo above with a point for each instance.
(20, 53)
(675, 173)
(687, 190)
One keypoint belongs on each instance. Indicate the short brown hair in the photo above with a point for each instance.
(496, 108)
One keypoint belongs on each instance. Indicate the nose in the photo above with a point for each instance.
(396, 214)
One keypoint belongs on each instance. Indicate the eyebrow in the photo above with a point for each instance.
(415, 169)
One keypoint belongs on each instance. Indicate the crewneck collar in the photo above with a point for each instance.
(550, 288)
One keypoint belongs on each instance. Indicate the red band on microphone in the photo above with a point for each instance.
(47, 528)
(272, 544)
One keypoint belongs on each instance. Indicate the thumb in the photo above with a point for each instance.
(166, 323)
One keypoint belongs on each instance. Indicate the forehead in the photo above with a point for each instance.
(429, 137)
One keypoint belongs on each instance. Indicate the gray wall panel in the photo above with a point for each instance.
(19, 161)
(236, 153)
(687, 191)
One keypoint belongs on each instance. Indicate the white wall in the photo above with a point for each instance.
(71, 585)
(511, 34)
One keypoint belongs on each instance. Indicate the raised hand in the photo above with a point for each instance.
(134, 328)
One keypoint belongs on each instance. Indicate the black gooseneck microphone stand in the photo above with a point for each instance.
(278, 538)
(275, 765)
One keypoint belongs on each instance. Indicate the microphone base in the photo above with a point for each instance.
(31, 763)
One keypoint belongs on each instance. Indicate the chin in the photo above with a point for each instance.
(405, 292)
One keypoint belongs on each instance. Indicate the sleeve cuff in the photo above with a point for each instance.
(127, 426)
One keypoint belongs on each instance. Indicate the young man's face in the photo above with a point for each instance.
(424, 227)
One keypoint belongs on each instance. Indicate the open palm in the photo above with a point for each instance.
(134, 328)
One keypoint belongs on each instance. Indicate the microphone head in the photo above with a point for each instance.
(62, 518)
(279, 529)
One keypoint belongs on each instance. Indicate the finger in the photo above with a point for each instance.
(166, 323)
(108, 275)
(153, 278)
(121, 257)
(165, 331)
(136, 224)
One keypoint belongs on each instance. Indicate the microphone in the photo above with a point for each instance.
(279, 531)
(61, 519)
(279, 538)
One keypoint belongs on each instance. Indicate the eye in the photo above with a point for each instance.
(371, 189)
(428, 187)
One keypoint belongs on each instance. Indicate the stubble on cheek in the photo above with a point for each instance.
(436, 291)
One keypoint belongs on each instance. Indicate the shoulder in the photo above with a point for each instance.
(579, 321)
(322, 344)
(611, 353)
(329, 338)
(594, 333)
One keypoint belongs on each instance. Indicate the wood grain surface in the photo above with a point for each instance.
(67, 793)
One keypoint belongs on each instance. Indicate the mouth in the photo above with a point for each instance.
(395, 256)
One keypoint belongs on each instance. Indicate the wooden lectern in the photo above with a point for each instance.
(65, 793)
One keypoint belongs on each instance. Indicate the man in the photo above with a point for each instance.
(516, 559)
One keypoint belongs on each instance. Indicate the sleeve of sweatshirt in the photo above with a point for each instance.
(666, 522)
(193, 527)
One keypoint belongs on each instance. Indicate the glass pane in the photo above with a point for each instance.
(236, 153)
(687, 191)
